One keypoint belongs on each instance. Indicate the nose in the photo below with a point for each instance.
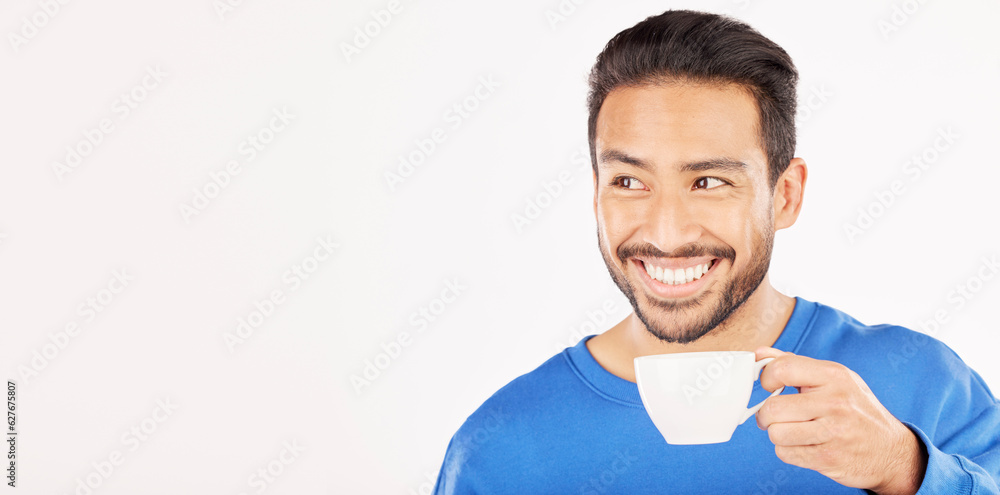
(670, 222)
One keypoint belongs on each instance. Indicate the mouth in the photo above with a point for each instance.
(676, 277)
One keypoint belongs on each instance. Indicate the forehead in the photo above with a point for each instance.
(681, 122)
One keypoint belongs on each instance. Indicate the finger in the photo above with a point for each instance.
(791, 370)
(815, 457)
(795, 455)
(765, 352)
(798, 434)
(769, 352)
(792, 408)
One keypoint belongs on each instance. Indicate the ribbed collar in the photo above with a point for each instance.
(623, 391)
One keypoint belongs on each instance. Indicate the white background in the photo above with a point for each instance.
(527, 294)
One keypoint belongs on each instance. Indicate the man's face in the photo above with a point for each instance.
(682, 185)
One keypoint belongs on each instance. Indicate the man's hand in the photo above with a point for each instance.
(836, 426)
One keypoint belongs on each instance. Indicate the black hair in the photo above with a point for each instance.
(685, 45)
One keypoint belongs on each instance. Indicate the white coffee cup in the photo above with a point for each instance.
(699, 397)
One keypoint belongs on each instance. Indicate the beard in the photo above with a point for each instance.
(703, 313)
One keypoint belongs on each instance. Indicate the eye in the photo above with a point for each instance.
(627, 182)
(708, 183)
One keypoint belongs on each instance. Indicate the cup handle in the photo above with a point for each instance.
(756, 373)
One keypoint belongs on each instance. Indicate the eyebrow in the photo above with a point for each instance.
(722, 163)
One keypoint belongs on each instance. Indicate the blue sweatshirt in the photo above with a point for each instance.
(571, 427)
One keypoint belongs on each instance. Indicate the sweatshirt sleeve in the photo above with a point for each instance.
(963, 450)
(448, 481)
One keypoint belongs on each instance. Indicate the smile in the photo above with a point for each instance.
(675, 278)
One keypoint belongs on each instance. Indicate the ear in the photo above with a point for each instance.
(788, 194)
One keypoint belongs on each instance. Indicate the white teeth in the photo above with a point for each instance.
(677, 276)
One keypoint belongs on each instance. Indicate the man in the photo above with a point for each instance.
(692, 138)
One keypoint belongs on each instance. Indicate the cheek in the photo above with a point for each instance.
(615, 219)
(752, 227)
(737, 226)
(746, 220)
